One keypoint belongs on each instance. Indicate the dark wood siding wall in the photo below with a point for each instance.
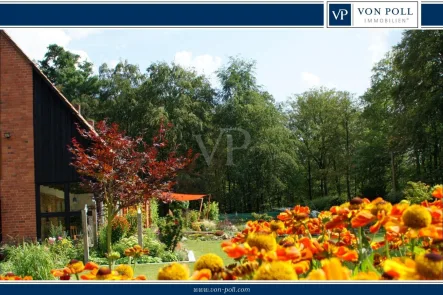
(54, 128)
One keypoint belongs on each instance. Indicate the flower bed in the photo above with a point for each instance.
(343, 243)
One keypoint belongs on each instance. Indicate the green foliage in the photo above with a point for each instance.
(33, 259)
(124, 244)
(57, 231)
(154, 211)
(131, 217)
(261, 216)
(120, 228)
(171, 230)
(102, 246)
(211, 211)
(65, 249)
(417, 192)
(191, 216)
(323, 203)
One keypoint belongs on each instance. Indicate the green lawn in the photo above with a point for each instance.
(198, 247)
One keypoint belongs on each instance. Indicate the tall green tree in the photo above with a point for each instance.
(72, 76)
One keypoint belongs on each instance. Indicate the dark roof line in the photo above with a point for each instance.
(59, 94)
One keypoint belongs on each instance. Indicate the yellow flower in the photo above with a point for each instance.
(429, 266)
(379, 205)
(209, 261)
(76, 266)
(332, 269)
(277, 225)
(366, 276)
(266, 242)
(174, 271)
(401, 269)
(104, 273)
(417, 217)
(276, 270)
(125, 271)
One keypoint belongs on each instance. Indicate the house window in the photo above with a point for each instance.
(59, 207)
(52, 227)
(52, 198)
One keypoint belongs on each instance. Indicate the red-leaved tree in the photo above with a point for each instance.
(124, 171)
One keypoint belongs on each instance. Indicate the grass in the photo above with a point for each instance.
(198, 247)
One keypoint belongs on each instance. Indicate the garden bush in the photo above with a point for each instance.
(211, 211)
(261, 216)
(33, 259)
(208, 225)
(417, 192)
(131, 217)
(120, 228)
(124, 244)
(171, 230)
(191, 216)
(323, 203)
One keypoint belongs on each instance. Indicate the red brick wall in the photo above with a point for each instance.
(17, 179)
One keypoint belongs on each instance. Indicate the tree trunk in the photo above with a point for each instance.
(348, 181)
(109, 234)
(309, 180)
(394, 180)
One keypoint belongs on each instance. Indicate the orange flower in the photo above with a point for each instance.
(438, 192)
(76, 266)
(346, 254)
(13, 277)
(362, 218)
(234, 250)
(91, 266)
(201, 275)
(302, 267)
(332, 269)
(140, 278)
(433, 231)
(136, 251)
(297, 213)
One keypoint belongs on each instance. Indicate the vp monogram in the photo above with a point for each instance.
(229, 142)
(341, 13)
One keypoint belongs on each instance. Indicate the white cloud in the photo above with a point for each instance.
(34, 42)
(112, 63)
(83, 55)
(378, 44)
(310, 80)
(77, 33)
(203, 64)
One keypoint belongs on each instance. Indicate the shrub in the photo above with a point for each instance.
(207, 225)
(323, 203)
(211, 211)
(120, 228)
(152, 243)
(65, 248)
(196, 226)
(191, 217)
(261, 216)
(57, 231)
(171, 230)
(32, 259)
(417, 192)
(124, 244)
(131, 217)
(226, 225)
(154, 211)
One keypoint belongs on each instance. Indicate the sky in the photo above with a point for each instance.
(288, 61)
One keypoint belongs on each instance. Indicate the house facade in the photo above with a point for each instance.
(39, 190)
